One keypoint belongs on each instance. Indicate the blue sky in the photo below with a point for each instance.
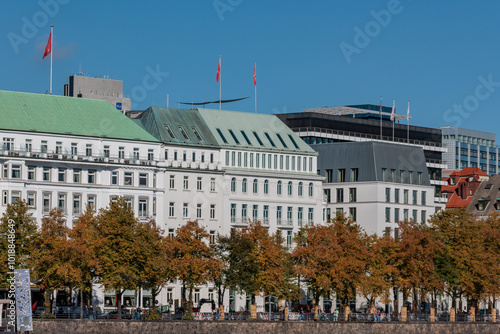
(441, 55)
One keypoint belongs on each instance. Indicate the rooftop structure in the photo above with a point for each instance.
(486, 200)
(462, 186)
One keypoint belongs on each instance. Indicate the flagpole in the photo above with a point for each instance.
(51, 53)
(380, 113)
(255, 83)
(408, 122)
(393, 118)
(220, 87)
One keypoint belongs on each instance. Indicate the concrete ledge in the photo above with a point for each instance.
(181, 327)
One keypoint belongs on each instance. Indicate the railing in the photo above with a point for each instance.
(367, 136)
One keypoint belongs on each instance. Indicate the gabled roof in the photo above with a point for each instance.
(66, 115)
(222, 129)
(469, 171)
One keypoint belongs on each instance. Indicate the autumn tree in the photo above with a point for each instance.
(221, 252)
(415, 261)
(191, 259)
(116, 249)
(152, 257)
(83, 252)
(51, 257)
(25, 232)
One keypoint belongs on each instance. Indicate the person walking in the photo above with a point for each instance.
(336, 314)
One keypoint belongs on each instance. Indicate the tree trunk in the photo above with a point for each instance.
(81, 301)
(119, 304)
(190, 304)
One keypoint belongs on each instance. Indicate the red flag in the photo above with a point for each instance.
(255, 74)
(48, 48)
(218, 71)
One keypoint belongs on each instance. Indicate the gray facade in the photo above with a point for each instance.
(98, 89)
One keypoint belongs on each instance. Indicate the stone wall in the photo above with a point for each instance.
(178, 327)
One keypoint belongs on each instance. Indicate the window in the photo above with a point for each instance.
(222, 136)
(211, 158)
(300, 215)
(88, 150)
(212, 211)
(193, 156)
(414, 216)
(106, 151)
(44, 147)
(278, 190)
(143, 179)
(150, 154)
(405, 214)
(121, 152)
(212, 242)
(114, 178)
(329, 175)
(234, 136)
(76, 175)
(77, 204)
(255, 212)
(5, 171)
(415, 197)
(245, 159)
(15, 197)
(310, 215)
(352, 194)
(212, 184)
(28, 145)
(198, 210)
(128, 179)
(269, 138)
(46, 174)
(183, 133)
(311, 189)
(184, 210)
(239, 159)
(61, 175)
(293, 141)
(172, 182)
(423, 197)
(405, 196)
(340, 195)
(410, 173)
(91, 200)
(244, 185)
(396, 195)
(289, 213)
(198, 183)
(255, 186)
(61, 203)
(91, 176)
(74, 149)
(290, 188)
(419, 175)
(258, 138)
(32, 199)
(289, 236)
(184, 156)
(384, 174)
(197, 134)
(393, 175)
(246, 138)
(354, 174)
(266, 187)
(341, 175)
(185, 183)
(278, 214)
(175, 155)
(8, 144)
(46, 202)
(233, 184)
(396, 215)
(5, 197)
(16, 171)
(402, 176)
(299, 189)
(244, 212)
(58, 147)
(424, 216)
(171, 233)
(31, 173)
(233, 212)
(387, 215)
(387, 195)
(171, 210)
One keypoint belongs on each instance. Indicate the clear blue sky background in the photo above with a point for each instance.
(429, 52)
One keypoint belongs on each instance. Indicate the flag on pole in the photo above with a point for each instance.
(48, 48)
(392, 113)
(408, 111)
(218, 71)
(255, 74)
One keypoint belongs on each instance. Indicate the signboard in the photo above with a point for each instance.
(23, 299)
(119, 105)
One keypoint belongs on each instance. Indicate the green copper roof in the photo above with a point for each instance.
(66, 115)
(222, 129)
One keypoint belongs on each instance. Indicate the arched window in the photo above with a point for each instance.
(300, 189)
(255, 186)
(311, 189)
(233, 184)
(278, 190)
(290, 188)
(266, 187)
(244, 185)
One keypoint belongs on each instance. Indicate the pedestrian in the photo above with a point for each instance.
(378, 315)
(138, 313)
